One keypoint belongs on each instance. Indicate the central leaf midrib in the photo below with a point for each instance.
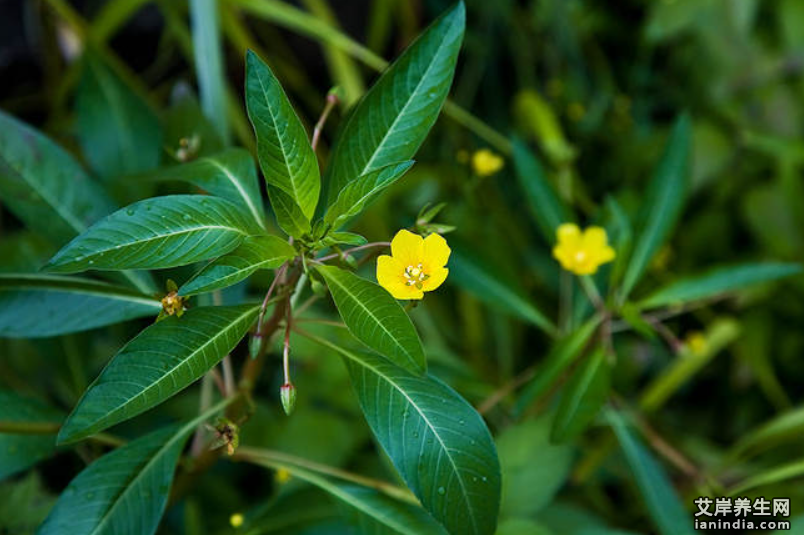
(293, 185)
(413, 94)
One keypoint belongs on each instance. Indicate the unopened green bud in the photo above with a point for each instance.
(288, 396)
(254, 345)
(318, 287)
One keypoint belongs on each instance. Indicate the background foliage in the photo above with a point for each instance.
(675, 124)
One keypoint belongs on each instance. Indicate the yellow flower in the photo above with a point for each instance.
(486, 163)
(416, 265)
(282, 476)
(697, 343)
(236, 520)
(582, 252)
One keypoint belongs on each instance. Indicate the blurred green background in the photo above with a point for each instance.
(593, 87)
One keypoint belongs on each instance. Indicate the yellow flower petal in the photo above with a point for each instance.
(594, 238)
(436, 252)
(407, 248)
(437, 277)
(568, 234)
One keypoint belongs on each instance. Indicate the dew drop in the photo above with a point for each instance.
(462, 422)
(91, 262)
(442, 491)
(415, 434)
(485, 479)
(186, 217)
(130, 211)
(89, 495)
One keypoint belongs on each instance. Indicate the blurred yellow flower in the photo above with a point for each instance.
(582, 252)
(282, 476)
(486, 163)
(236, 520)
(697, 343)
(416, 265)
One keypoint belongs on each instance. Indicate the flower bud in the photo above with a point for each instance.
(254, 345)
(288, 396)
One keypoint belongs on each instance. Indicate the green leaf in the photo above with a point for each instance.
(118, 132)
(347, 238)
(44, 186)
(391, 121)
(360, 192)
(375, 318)
(157, 233)
(230, 174)
(161, 361)
(287, 160)
(255, 252)
(34, 306)
(659, 495)
(787, 426)
(207, 52)
(436, 440)
(546, 208)
(584, 395)
(533, 469)
(558, 359)
(378, 512)
(480, 279)
(21, 451)
(125, 491)
(376, 507)
(663, 203)
(717, 282)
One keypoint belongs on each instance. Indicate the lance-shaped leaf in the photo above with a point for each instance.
(546, 208)
(391, 121)
(230, 174)
(717, 282)
(119, 133)
(256, 252)
(48, 190)
(33, 306)
(283, 148)
(374, 509)
(158, 363)
(478, 277)
(663, 204)
(21, 451)
(289, 216)
(360, 192)
(157, 233)
(660, 497)
(584, 395)
(44, 186)
(375, 318)
(125, 491)
(436, 440)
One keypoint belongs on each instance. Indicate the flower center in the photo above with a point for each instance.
(580, 256)
(415, 276)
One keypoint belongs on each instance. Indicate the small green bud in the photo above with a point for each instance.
(254, 345)
(288, 396)
(318, 287)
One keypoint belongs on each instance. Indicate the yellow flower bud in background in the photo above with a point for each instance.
(282, 476)
(486, 163)
(236, 520)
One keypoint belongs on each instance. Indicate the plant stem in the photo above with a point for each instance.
(279, 274)
(276, 459)
(354, 250)
(286, 345)
(332, 100)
